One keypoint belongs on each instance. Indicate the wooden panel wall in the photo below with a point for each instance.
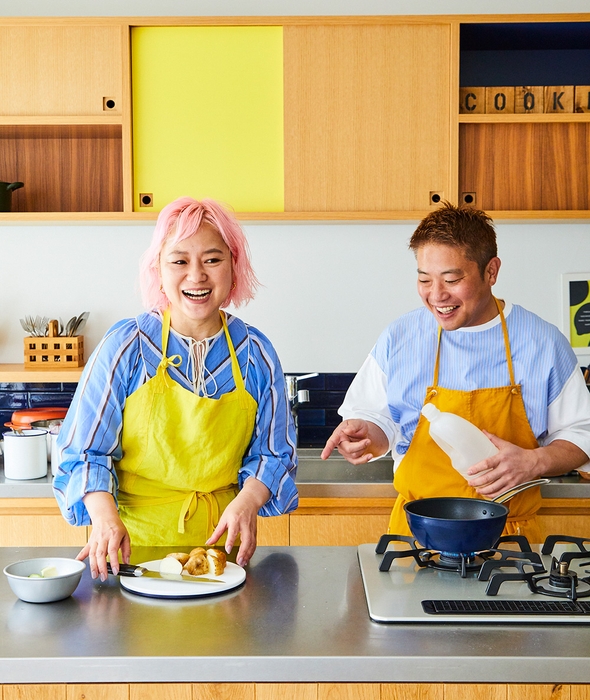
(60, 69)
(367, 116)
(537, 166)
(64, 168)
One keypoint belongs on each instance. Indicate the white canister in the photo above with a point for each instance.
(25, 454)
(53, 433)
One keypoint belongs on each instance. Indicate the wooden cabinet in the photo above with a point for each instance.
(367, 117)
(61, 70)
(37, 522)
(296, 691)
(370, 129)
(536, 163)
(64, 115)
(317, 522)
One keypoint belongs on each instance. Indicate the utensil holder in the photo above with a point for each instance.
(54, 352)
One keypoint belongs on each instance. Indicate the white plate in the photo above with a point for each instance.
(232, 577)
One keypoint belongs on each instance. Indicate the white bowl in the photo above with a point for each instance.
(44, 590)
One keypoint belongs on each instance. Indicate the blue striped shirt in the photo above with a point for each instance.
(128, 356)
(390, 388)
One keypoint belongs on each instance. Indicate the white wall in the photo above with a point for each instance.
(329, 289)
(218, 8)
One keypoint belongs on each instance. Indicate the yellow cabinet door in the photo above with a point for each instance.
(208, 116)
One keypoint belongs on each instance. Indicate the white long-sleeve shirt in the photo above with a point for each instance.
(390, 387)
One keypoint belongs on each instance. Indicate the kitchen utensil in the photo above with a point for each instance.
(80, 322)
(138, 570)
(44, 590)
(6, 190)
(25, 454)
(461, 525)
(232, 577)
(27, 324)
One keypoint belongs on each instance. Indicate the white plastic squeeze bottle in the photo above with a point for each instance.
(461, 440)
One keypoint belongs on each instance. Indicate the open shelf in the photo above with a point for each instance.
(18, 373)
(64, 167)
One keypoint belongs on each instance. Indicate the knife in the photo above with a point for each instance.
(140, 571)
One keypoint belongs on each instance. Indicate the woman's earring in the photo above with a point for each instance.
(233, 286)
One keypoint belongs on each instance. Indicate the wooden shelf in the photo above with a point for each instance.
(35, 120)
(523, 118)
(18, 373)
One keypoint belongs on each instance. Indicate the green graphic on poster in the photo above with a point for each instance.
(579, 313)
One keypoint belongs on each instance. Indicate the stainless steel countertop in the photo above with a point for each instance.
(300, 616)
(316, 478)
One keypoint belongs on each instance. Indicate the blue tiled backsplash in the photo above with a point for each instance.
(317, 418)
(14, 397)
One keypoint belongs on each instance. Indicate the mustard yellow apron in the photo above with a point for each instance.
(181, 455)
(426, 470)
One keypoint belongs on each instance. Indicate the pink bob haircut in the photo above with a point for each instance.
(181, 219)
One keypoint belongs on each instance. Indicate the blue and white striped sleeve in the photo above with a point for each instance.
(271, 456)
(89, 441)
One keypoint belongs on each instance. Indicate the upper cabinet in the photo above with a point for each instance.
(62, 114)
(524, 143)
(297, 117)
(367, 117)
(61, 70)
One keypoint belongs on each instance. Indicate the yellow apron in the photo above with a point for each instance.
(426, 470)
(181, 455)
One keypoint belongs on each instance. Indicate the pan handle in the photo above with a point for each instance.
(507, 495)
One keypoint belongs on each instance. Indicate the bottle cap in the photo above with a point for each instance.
(430, 411)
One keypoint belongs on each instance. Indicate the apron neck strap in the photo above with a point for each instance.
(176, 360)
(506, 346)
(235, 365)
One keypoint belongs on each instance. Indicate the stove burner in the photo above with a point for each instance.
(461, 563)
(562, 583)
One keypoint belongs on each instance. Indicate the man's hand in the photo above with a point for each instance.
(514, 465)
(357, 440)
(239, 518)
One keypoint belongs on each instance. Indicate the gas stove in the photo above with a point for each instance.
(514, 582)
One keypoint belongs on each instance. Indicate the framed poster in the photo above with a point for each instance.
(576, 311)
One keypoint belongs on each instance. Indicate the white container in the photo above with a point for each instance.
(461, 440)
(53, 433)
(25, 454)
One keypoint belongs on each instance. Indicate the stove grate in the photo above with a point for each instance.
(504, 607)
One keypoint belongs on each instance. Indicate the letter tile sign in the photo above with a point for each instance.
(529, 99)
(559, 99)
(500, 100)
(472, 100)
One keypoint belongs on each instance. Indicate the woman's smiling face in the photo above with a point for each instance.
(196, 276)
(452, 287)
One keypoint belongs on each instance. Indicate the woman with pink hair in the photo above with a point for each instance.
(180, 431)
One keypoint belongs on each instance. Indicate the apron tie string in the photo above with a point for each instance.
(207, 498)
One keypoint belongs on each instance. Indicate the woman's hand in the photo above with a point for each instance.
(239, 518)
(107, 537)
(357, 440)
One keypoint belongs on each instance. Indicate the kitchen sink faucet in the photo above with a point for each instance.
(297, 396)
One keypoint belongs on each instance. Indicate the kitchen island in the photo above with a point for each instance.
(300, 618)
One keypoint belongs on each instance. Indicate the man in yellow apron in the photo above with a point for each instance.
(495, 364)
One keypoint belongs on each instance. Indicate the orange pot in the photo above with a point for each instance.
(23, 418)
